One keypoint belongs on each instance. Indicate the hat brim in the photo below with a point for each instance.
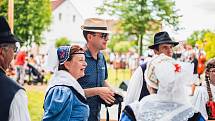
(164, 42)
(10, 39)
(92, 30)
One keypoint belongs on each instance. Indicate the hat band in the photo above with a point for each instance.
(5, 34)
(96, 28)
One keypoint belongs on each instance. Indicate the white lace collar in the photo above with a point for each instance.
(64, 78)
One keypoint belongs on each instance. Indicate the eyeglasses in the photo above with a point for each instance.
(14, 47)
(103, 35)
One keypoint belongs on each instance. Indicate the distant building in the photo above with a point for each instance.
(66, 22)
(67, 19)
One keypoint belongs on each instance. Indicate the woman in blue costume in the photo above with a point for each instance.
(166, 81)
(65, 99)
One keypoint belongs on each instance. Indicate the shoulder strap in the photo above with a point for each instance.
(195, 117)
(119, 111)
(129, 112)
(75, 92)
(144, 90)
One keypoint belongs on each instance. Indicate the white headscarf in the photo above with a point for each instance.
(170, 77)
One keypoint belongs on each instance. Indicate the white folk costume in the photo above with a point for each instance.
(171, 102)
(200, 99)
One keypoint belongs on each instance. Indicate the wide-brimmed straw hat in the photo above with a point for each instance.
(5, 33)
(162, 38)
(95, 25)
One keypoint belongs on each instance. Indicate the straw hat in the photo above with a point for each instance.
(95, 25)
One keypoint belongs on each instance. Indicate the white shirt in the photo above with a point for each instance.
(134, 86)
(19, 107)
(201, 97)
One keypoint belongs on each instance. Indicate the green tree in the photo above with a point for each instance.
(116, 39)
(122, 47)
(31, 18)
(62, 41)
(196, 36)
(209, 45)
(137, 17)
(205, 39)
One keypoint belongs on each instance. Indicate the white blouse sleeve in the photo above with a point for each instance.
(19, 107)
(134, 86)
(200, 99)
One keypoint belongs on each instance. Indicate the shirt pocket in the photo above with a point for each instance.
(101, 74)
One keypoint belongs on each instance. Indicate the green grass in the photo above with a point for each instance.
(115, 77)
(36, 93)
(35, 103)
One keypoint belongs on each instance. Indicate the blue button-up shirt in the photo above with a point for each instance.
(95, 74)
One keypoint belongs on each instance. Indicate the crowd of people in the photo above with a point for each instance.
(79, 84)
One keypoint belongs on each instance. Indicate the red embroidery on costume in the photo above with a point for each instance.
(62, 54)
(177, 68)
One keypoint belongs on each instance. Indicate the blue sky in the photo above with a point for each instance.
(197, 15)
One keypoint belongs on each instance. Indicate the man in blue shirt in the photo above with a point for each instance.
(95, 82)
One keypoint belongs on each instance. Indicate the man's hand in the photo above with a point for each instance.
(106, 94)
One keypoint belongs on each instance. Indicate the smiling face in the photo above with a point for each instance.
(76, 66)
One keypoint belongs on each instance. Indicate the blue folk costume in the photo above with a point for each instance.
(61, 103)
(65, 99)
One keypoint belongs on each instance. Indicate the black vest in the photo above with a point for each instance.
(144, 90)
(8, 89)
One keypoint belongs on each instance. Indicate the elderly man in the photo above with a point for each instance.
(95, 82)
(13, 101)
(137, 88)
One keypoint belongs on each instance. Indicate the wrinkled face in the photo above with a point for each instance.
(76, 65)
(211, 75)
(99, 40)
(7, 54)
(166, 49)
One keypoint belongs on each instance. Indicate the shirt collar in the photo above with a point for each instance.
(89, 55)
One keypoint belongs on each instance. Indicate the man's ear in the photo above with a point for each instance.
(1, 51)
(156, 51)
(89, 37)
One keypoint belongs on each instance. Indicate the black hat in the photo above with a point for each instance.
(162, 38)
(5, 33)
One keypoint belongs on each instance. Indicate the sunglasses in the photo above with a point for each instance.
(103, 35)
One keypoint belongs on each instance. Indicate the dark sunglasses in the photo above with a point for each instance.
(103, 35)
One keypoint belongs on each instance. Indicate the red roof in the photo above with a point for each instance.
(56, 3)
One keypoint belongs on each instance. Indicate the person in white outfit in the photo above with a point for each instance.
(201, 95)
(168, 100)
